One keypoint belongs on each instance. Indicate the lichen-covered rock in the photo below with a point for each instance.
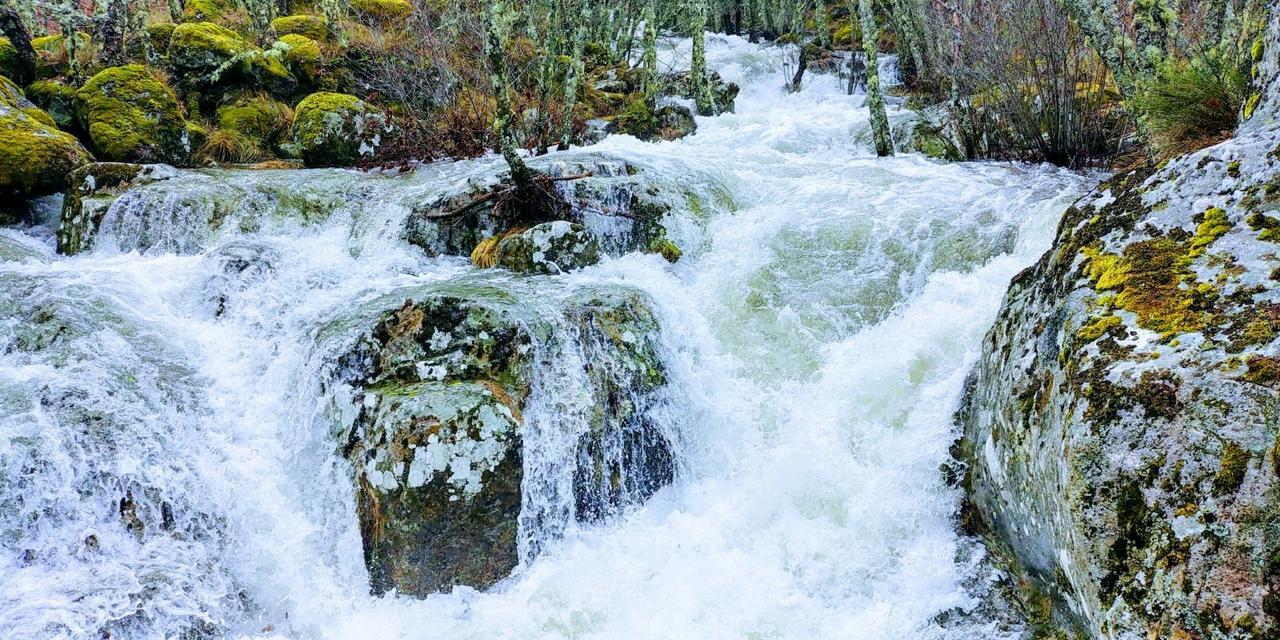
(441, 392)
(160, 34)
(675, 121)
(1120, 431)
(336, 129)
(723, 94)
(35, 156)
(131, 116)
(57, 98)
(1262, 106)
(613, 205)
(209, 54)
(549, 248)
(313, 27)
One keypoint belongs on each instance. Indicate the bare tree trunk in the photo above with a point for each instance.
(875, 101)
(571, 80)
(698, 70)
(112, 32)
(499, 15)
(12, 27)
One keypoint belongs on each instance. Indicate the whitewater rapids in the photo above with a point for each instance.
(818, 332)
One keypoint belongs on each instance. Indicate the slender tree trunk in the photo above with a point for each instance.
(12, 27)
(875, 101)
(821, 25)
(503, 121)
(649, 59)
(702, 98)
(112, 32)
(571, 81)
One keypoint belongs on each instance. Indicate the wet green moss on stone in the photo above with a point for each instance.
(35, 157)
(57, 98)
(336, 129)
(303, 55)
(258, 118)
(383, 10)
(313, 27)
(132, 116)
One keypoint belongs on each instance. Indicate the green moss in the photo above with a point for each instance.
(1251, 105)
(259, 118)
(383, 9)
(666, 248)
(206, 10)
(56, 97)
(1256, 50)
(1233, 169)
(132, 116)
(160, 34)
(35, 157)
(335, 129)
(313, 27)
(9, 65)
(204, 46)
(302, 54)
(51, 53)
(1231, 470)
(637, 119)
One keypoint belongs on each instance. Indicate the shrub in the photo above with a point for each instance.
(1191, 104)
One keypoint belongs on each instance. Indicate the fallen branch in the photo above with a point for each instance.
(500, 195)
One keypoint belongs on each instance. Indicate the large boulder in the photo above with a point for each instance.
(337, 129)
(259, 119)
(442, 406)
(35, 157)
(132, 116)
(723, 94)
(313, 27)
(206, 54)
(1119, 431)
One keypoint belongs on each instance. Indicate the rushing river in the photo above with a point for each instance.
(817, 333)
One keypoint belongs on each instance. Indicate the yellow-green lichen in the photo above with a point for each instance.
(1232, 469)
(1151, 279)
(302, 54)
(1251, 105)
(1095, 329)
(1214, 226)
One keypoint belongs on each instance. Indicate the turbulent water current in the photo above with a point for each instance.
(166, 470)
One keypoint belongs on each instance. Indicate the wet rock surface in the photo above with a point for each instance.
(443, 394)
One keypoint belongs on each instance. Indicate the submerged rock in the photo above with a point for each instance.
(444, 395)
(91, 190)
(1120, 435)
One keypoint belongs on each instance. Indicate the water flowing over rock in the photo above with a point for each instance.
(1120, 436)
(451, 394)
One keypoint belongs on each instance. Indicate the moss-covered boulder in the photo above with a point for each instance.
(313, 27)
(1120, 429)
(336, 129)
(303, 56)
(211, 55)
(52, 56)
(35, 157)
(436, 428)
(259, 118)
(723, 94)
(383, 10)
(57, 98)
(132, 116)
(10, 67)
(550, 247)
(159, 35)
(206, 10)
